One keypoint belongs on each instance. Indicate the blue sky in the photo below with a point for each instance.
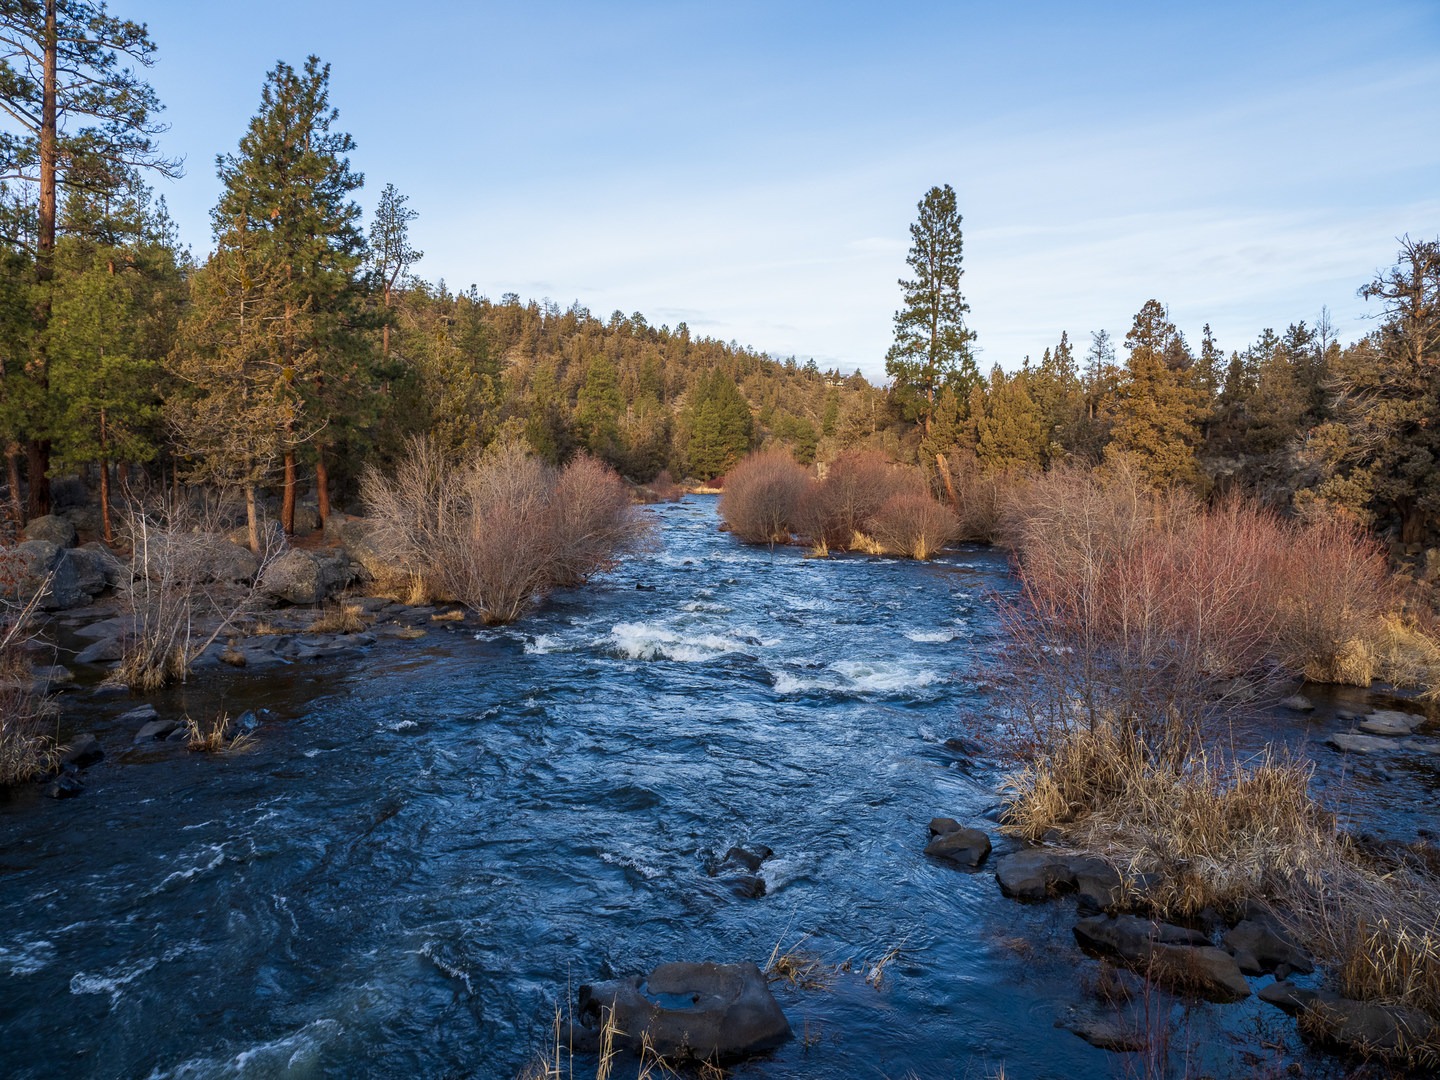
(752, 168)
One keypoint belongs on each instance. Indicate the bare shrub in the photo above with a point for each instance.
(178, 602)
(593, 522)
(25, 751)
(856, 485)
(763, 497)
(979, 499)
(1337, 588)
(503, 530)
(912, 525)
(662, 489)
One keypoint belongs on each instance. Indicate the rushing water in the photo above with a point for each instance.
(422, 849)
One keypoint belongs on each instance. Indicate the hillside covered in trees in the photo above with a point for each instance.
(306, 346)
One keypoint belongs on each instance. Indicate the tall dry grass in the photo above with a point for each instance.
(501, 530)
(26, 751)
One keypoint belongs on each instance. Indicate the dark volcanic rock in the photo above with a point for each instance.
(953, 843)
(100, 651)
(84, 750)
(1260, 948)
(706, 1012)
(64, 786)
(1177, 958)
(54, 529)
(1355, 1025)
(156, 729)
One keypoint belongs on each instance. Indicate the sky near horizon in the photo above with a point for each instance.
(752, 169)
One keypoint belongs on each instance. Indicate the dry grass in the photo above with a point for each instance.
(799, 968)
(25, 751)
(215, 737)
(1406, 655)
(410, 633)
(875, 970)
(340, 619)
(557, 1061)
(455, 615)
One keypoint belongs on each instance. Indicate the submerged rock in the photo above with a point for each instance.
(64, 786)
(84, 750)
(1352, 743)
(1297, 703)
(97, 652)
(1390, 722)
(956, 844)
(156, 729)
(1107, 1032)
(704, 1012)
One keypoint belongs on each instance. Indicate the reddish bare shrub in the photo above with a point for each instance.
(25, 751)
(593, 522)
(913, 525)
(856, 485)
(502, 531)
(662, 489)
(1336, 590)
(763, 496)
(980, 499)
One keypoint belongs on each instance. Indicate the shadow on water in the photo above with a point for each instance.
(421, 849)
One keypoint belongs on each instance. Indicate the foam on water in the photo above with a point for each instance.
(653, 641)
(930, 637)
(858, 677)
(113, 981)
(296, 1054)
(210, 856)
(26, 956)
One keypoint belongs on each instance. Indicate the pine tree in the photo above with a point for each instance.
(76, 115)
(932, 342)
(289, 189)
(391, 254)
(716, 426)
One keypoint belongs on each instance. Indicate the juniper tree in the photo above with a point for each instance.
(75, 115)
(932, 342)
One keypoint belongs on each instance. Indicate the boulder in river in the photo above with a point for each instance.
(1352, 743)
(1390, 722)
(704, 1012)
(1177, 958)
(1261, 947)
(155, 730)
(1297, 703)
(44, 567)
(952, 842)
(1388, 1030)
(84, 750)
(298, 577)
(1040, 873)
(64, 786)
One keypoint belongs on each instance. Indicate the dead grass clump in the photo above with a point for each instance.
(799, 968)
(913, 525)
(340, 619)
(25, 751)
(1210, 835)
(763, 497)
(410, 633)
(453, 615)
(215, 737)
(1406, 655)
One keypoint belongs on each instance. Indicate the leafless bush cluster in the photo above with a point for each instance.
(503, 529)
(25, 750)
(864, 503)
(763, 498)
(187, 584)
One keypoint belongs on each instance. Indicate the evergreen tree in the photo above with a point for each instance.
(932, 342)
(391, 254)
(73, 114)
(1005, 425)
(289, 190)
(716, 425)
(1154, 409)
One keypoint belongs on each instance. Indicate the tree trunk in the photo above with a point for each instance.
(252, 525)
(944, 467)
(105, 528)
(287, 501)
(12, 472)
(39, 449)
(322, 487)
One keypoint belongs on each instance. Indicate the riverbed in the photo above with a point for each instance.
(424, 850)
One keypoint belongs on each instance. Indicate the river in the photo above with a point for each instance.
(422, 849)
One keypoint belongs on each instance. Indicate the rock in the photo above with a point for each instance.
(1262, 948)
(230, 563)
(1352, 743)
(750, 860)
(1035, 874)
(64, 786)
(1297, 703)
(52, 529)
(1106, 1032)
(84, 750)
(357, 537)
(307, 519)
(1355, 1025)
(137, 715)
(53, 677)
(705, 1012)
(156, 730)
(964, 847)
(98, 652)
(1422, 746)
(1391, 722)
(94, 572)
(29, 566)
(298, 577)
(1098, 884)
(1178, 959)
